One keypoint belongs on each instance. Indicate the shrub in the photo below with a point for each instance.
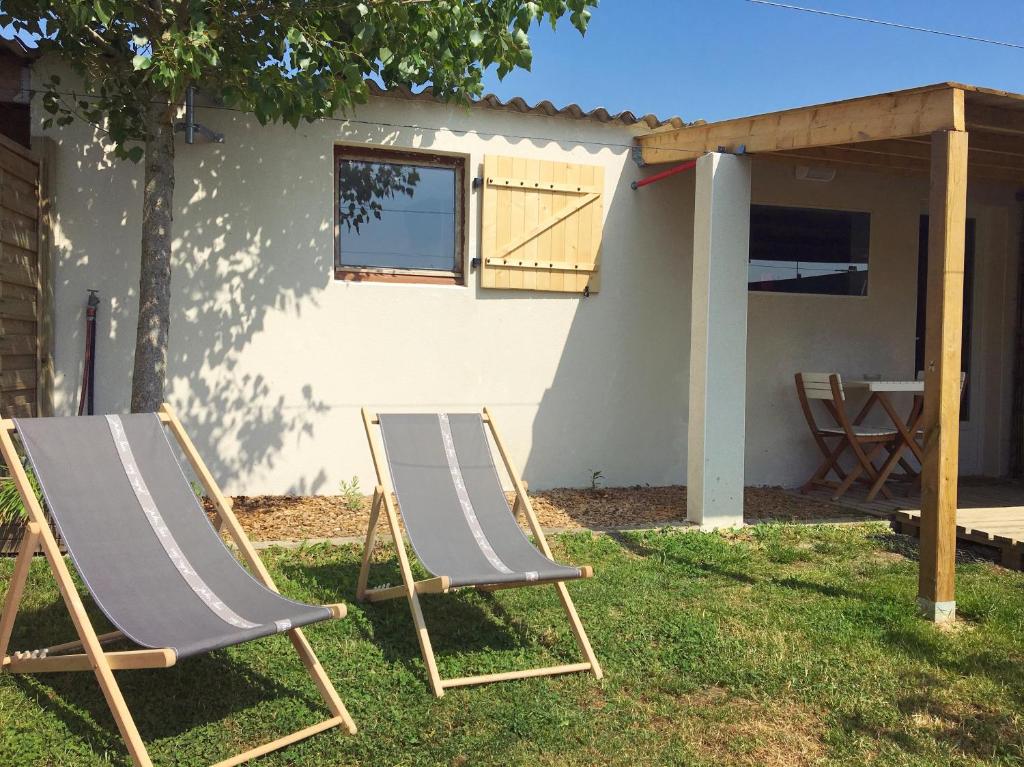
(351, 495)
(11, 507)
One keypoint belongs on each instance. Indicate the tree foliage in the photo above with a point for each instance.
(363, 187)
(281, 60)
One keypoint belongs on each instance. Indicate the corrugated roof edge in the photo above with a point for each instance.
(544, 108)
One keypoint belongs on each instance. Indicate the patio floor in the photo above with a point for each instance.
(990, 512)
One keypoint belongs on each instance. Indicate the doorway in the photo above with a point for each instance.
(922, 306)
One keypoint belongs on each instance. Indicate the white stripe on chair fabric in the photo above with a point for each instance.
(466, 504)
(163, 533)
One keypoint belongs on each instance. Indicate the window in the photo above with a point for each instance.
(805, 250)
(399, 216)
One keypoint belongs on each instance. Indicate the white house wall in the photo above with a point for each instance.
(271, 358)
(875, 335)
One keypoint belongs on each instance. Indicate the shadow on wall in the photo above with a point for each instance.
(618, 401)
(234, 270)
(241, 253)
(86, 251)
(254, 244)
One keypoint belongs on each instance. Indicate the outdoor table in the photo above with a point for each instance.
(879, 394)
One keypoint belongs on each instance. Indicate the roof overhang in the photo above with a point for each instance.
(888, 130)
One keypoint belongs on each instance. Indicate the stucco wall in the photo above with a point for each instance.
(875, 334)
(271, 358)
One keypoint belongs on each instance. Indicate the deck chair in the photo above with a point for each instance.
(460, 525)
(844, 434)
(149, 557)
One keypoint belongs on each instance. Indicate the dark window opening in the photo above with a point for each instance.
(806, 250)
(399, 216)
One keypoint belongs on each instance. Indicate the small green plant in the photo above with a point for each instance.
(351, 495)
(596, 479)
(11, 507)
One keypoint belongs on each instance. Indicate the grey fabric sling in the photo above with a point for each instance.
(450, 498)
(142, 543)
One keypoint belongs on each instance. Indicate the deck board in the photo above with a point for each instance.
(990, 514)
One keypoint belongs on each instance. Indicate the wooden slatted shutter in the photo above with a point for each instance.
(20, 360)
(542, 224)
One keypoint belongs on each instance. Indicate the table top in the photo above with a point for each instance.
(888, 386)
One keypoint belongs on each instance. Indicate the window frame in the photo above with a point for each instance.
(456, 162)
(828, 209)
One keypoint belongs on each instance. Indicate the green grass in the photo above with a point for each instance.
(779, 646)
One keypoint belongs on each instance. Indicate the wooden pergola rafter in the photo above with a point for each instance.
(951, 132)
(890, 131)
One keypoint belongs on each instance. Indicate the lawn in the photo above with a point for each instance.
(780, 645)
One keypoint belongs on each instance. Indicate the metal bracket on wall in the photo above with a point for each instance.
(190, 126)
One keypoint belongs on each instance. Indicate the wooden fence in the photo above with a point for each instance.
(22, 319)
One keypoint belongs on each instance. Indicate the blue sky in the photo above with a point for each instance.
(714, 59)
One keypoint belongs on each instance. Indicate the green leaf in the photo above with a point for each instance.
(141, 62)
(103, 10)
(475, 37)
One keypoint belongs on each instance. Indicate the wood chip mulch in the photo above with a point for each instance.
(296, 518)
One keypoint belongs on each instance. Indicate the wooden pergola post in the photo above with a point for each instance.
(943, 329)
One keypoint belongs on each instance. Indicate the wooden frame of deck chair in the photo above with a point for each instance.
(849, 435)
(442, 584)
(92, 656)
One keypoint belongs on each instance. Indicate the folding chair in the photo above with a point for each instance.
(460, 525)
(865, 442)
(149, 557)
(913, 435)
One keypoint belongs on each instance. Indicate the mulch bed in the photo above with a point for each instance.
(280, 518)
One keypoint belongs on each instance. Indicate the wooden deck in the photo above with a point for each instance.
(988, 513)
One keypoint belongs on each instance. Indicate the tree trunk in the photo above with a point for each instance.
(150, 369)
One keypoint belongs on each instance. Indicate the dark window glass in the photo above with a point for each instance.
(398, 215)
(805, 250)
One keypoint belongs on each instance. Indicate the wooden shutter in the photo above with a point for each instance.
(19, 281)
(542, 225)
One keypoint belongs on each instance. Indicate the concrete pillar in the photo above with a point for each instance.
(718, 342)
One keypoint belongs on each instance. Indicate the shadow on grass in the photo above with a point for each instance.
(908, 546)
(165, 703)
(460, 622)
(972, 730)
(893, 623)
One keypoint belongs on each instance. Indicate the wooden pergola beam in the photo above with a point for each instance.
(993, 120)
(943, 324)
(899, 164)
(891, 115)
(994, 144)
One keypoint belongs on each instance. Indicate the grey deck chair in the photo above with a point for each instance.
(459, 524)
(149, 557)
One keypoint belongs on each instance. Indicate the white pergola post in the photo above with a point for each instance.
(718, 342)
